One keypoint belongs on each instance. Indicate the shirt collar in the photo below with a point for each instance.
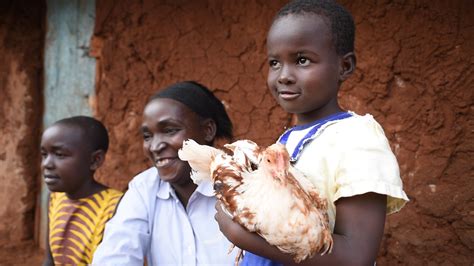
(165, 190)
(206, 188)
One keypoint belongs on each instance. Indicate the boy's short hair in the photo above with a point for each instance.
(94, 131)
(340, 20)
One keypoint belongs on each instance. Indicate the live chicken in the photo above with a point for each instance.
(262, 191)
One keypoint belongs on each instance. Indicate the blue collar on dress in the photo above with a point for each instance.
(316, 126)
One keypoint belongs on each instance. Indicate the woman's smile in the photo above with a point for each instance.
(165, 162)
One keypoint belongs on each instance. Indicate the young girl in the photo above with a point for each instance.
(164, 216)
(72, 149)
(310, 53)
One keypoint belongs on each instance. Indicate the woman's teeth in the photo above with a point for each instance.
(163, 162)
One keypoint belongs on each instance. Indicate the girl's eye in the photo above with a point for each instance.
(59, 154)
(274, 64)
(43, 154)
(302, 61)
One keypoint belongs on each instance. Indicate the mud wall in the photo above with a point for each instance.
(21, 38)
(414, 75)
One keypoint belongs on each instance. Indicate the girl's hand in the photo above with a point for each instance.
(243, 239)
(227, 226)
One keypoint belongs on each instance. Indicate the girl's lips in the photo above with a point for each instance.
(288, 96)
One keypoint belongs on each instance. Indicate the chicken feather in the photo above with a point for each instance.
(263, 192)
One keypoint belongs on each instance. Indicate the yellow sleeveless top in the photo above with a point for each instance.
(76, 227)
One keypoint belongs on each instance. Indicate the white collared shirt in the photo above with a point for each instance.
(151, 222)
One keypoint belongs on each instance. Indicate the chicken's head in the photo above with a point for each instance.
(276, 160)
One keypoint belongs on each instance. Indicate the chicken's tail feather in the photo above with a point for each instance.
(328, 243)
(199, 158)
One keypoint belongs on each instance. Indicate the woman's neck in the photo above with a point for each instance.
(184, 192)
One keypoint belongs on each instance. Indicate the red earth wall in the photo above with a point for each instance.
(21, 38)
(414, 75)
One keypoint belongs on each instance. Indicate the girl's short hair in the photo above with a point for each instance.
(340, 20)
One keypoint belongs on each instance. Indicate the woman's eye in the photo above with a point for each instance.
(170, 130)
(302, 61)
(146, 137)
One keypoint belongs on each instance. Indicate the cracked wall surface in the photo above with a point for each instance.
(414, 74)
(21, 38)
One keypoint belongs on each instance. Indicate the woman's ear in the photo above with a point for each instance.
(347, 66)
(97, 159)
(210, 130)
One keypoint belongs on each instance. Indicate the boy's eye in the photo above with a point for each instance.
(59, 154)
(274, 63)
(303, 61)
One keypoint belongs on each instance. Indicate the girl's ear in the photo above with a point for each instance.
(347, 66)
(210, 130)
(97, 159)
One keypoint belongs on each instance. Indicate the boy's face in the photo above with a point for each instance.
(166, 124)
(65, 159)
(304, 67)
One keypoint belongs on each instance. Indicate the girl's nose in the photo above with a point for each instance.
(286, 76)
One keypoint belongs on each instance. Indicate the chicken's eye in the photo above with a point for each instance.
(253, 166)
(218, 186)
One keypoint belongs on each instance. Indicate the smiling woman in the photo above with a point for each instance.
(163, 203)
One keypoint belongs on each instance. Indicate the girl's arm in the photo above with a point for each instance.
(357, 234)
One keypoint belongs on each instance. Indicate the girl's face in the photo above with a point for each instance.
(304, 67)
(166, 124)
(65, 160)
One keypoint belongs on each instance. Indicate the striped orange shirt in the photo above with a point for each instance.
(76, 227)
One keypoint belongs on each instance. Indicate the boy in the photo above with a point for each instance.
(72, 149)
(346, 156)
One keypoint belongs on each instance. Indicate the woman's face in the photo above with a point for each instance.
(166, 124)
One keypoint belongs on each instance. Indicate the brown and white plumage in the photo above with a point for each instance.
(264, 193)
